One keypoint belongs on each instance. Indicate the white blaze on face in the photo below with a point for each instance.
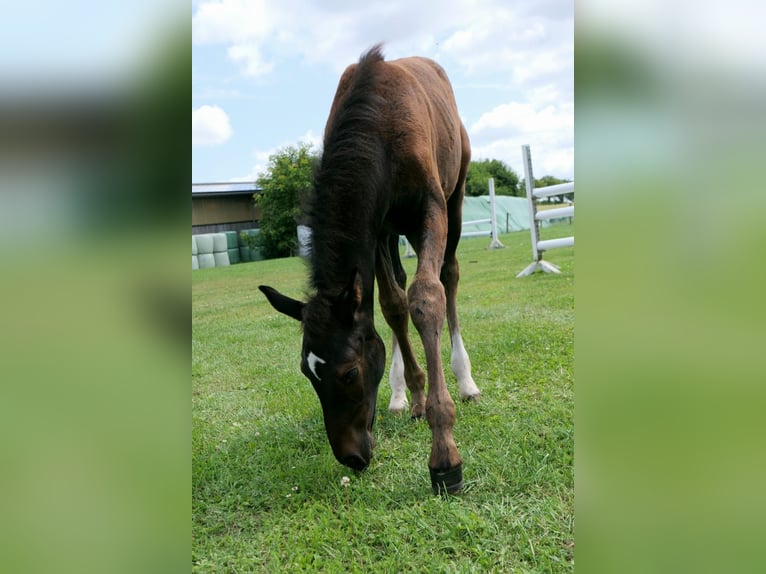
(312, 360)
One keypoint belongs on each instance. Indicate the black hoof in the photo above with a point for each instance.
(448, 481)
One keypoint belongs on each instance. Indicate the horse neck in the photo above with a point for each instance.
(349, 201)
(343, 243)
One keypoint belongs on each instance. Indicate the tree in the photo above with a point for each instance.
(284, 187)
(479, 172)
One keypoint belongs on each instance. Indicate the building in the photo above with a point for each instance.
(218, 207)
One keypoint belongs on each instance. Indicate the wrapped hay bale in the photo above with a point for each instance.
(244, 254)
(220, 243)
(245, 241)
(194, 245)
(231, 239)
(206, 260)
(204, 244)
(195, 262)
(221, 259)
(233, 255)
(255, 252)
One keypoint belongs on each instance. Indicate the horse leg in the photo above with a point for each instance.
(450, 275)
(397, 380)
(427, 304)
(393, 303)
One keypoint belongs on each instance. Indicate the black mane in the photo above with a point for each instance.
(349, 184)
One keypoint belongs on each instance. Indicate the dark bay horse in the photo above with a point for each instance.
(394, 163)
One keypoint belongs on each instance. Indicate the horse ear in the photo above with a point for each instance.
(282, 303)
(352, 295)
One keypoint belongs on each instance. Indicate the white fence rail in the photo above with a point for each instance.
(492, 221)
(535, 216)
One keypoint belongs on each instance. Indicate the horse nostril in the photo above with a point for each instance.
(354, 461)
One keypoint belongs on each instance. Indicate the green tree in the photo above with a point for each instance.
(506, 180)
(284, 187)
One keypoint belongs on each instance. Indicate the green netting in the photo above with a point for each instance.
(233, 255)
(220, 244)
(194, 245)
(231, 239)
(511, 213)
(204, 244)
(195, 262)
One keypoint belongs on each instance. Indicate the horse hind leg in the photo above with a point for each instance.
(460, 362)
(450, 276)
(404, 370)
(396, 379)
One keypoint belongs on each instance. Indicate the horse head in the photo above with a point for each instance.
(344, 358)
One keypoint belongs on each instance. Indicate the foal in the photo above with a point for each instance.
(394, 163)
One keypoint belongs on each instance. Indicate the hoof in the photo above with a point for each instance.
(417, 412)
(397, 411)
(471, 398)
(448, 481)
(397, 405)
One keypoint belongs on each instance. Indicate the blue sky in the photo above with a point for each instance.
(264, 73)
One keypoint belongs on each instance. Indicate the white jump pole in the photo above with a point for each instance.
(495, 243)
(538, 247)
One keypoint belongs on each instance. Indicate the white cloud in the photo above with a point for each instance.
(231, 21)
(526, 118)
(210, 126)
(501, 40)
(511, 64)
(478, 35)
(548, 157)
(245, 25)
(250, 54)
(545, 122)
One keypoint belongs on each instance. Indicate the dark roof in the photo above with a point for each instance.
(224, 188)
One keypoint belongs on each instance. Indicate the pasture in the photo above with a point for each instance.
(266, 490)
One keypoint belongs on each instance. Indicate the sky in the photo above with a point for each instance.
(264, 73)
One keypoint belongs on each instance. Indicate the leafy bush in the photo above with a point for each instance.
(284, 188)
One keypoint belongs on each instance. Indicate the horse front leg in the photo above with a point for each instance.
(427, 305)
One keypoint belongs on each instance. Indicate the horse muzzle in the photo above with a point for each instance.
(356, 454)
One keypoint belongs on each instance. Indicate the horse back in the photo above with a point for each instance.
(419, 122)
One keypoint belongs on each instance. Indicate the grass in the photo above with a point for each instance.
(267, 493)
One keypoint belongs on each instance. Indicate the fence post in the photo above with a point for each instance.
(538, 263)
(408, 250)
(495, 243)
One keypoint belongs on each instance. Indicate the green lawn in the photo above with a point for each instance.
(267, 494)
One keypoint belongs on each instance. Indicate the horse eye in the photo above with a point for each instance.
(350, 376)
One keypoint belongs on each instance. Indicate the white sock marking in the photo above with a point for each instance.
(398, 400)
(461, 366)
(312, 361)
